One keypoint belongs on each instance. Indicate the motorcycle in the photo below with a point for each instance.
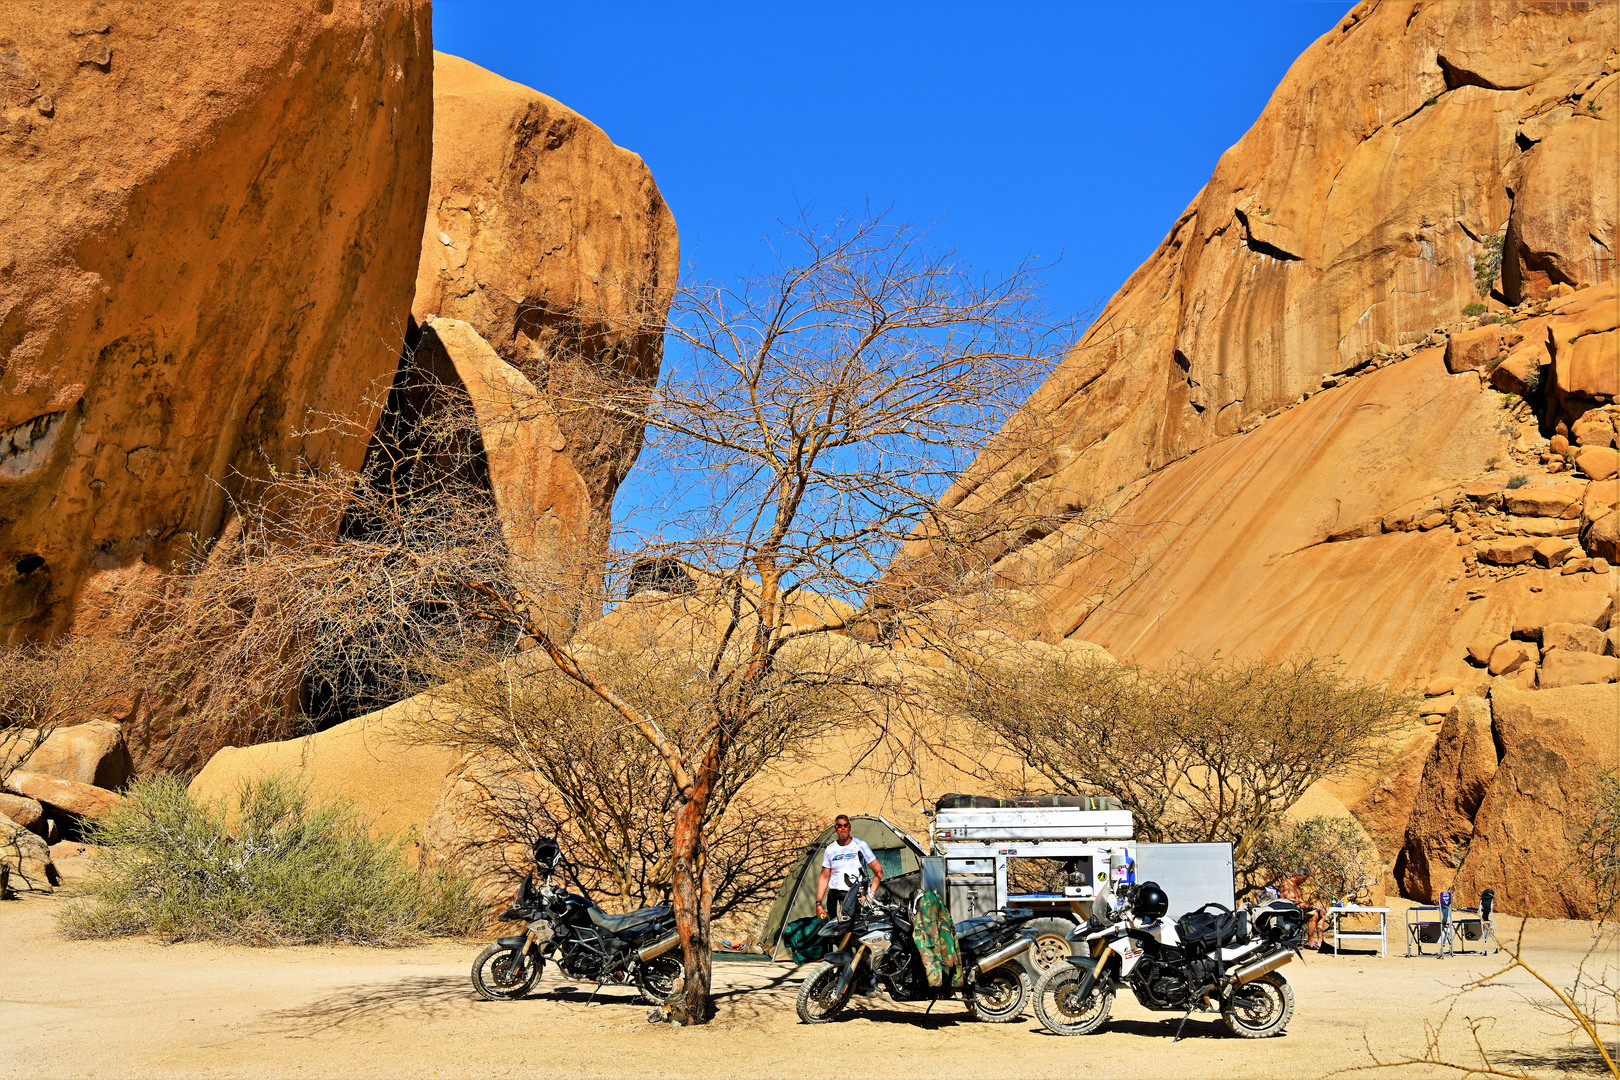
(1212, 959)
(587, 944)
(872, 944)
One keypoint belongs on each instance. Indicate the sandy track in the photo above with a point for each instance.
(138, 1008)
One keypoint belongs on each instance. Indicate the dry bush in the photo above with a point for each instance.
(1197, 751)
(553, 759)
(329, 577)
(44, 686)
(1332, 852)
(277, 870)
(1599, 845)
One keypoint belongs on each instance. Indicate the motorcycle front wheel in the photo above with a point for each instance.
(1260, 1009)
(1059, 1008)
(999, 995)
(502, 973)
(657, 978)
(819, 999)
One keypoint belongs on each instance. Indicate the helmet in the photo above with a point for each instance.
(546, 854)
(1150, 901)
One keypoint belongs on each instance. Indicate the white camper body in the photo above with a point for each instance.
(981, 846)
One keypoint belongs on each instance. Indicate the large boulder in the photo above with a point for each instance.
(211, 231)
(1457, 774)
(89, 753)
(26, 858)
(374, 761)
(1552, 743)
(80, 800)
(554, 246)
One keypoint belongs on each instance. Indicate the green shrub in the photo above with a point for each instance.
(1518, 481)
(1491, 463)
(290, 872)
(1475, 309)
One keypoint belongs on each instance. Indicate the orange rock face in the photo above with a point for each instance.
(204, 210)
(554, 246)
(1346, 222)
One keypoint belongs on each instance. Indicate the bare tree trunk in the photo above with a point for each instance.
(689, 894)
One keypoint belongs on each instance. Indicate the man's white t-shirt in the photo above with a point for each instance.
(845, 862)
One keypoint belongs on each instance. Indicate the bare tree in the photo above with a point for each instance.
(554, 759)
(820, 409)
(1198, 751)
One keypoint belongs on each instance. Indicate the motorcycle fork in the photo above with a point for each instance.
(849, 972)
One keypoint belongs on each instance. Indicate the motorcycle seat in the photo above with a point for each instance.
(620, 924)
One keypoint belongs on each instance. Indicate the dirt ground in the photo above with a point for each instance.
(141, 1008)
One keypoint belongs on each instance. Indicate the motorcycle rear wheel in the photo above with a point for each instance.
(1260, 1009)
(1057, 1009)
(819, 1000)
(1000, 995)
(656, 978)
(502, 973)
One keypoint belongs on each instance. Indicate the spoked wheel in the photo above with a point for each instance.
(658, 977)
(502, 973)
(1260, 1009)
(1060, 1008)
(819, 999)
(999, 995)
(1051, 944)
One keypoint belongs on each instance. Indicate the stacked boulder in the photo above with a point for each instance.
(72, 777)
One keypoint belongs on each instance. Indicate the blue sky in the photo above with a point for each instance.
(1072, 130)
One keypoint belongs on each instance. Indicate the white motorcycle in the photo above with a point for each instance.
(1210, 960)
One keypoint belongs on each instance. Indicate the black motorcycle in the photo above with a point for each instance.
(587, 944)
(1212, 959)
(872, 947)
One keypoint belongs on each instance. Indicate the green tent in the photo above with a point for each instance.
(896, 852)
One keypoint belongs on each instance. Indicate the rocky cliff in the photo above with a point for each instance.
(1344, 224)
(205, 213)
(1285, 434)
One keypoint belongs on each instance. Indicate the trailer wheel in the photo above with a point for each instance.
(1051, 944)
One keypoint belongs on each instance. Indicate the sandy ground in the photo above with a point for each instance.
(139, 1008)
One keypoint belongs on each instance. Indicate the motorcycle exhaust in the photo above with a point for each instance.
(658, 948)
(1005, 953)
(1261, 967)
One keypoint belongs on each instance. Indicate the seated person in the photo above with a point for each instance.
(1292, 889)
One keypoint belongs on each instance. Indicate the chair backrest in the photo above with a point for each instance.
(1487, 904)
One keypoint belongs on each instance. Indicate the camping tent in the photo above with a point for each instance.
(896, 852)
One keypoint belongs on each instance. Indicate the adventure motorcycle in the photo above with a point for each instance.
(587, 944)
(872, 946)
(1212, 959)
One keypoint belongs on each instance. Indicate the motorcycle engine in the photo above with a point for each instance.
(1164, 984)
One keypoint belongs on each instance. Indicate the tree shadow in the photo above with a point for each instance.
(1576, 1059)
(420, 997)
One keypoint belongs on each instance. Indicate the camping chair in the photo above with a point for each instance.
(1480, 924)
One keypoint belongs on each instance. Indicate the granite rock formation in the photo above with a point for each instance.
(554, 246)
(206, 212)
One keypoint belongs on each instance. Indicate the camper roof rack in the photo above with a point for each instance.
(954, 801)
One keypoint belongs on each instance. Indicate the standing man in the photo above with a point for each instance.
(841, 868)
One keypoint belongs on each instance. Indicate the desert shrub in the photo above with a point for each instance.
(1518, 480)
(1599, 845)
(1475, 309)
(280, 869)
(1488, 264)
(1332, 852)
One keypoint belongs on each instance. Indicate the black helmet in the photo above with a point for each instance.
(546, 854)
(1150, 901)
